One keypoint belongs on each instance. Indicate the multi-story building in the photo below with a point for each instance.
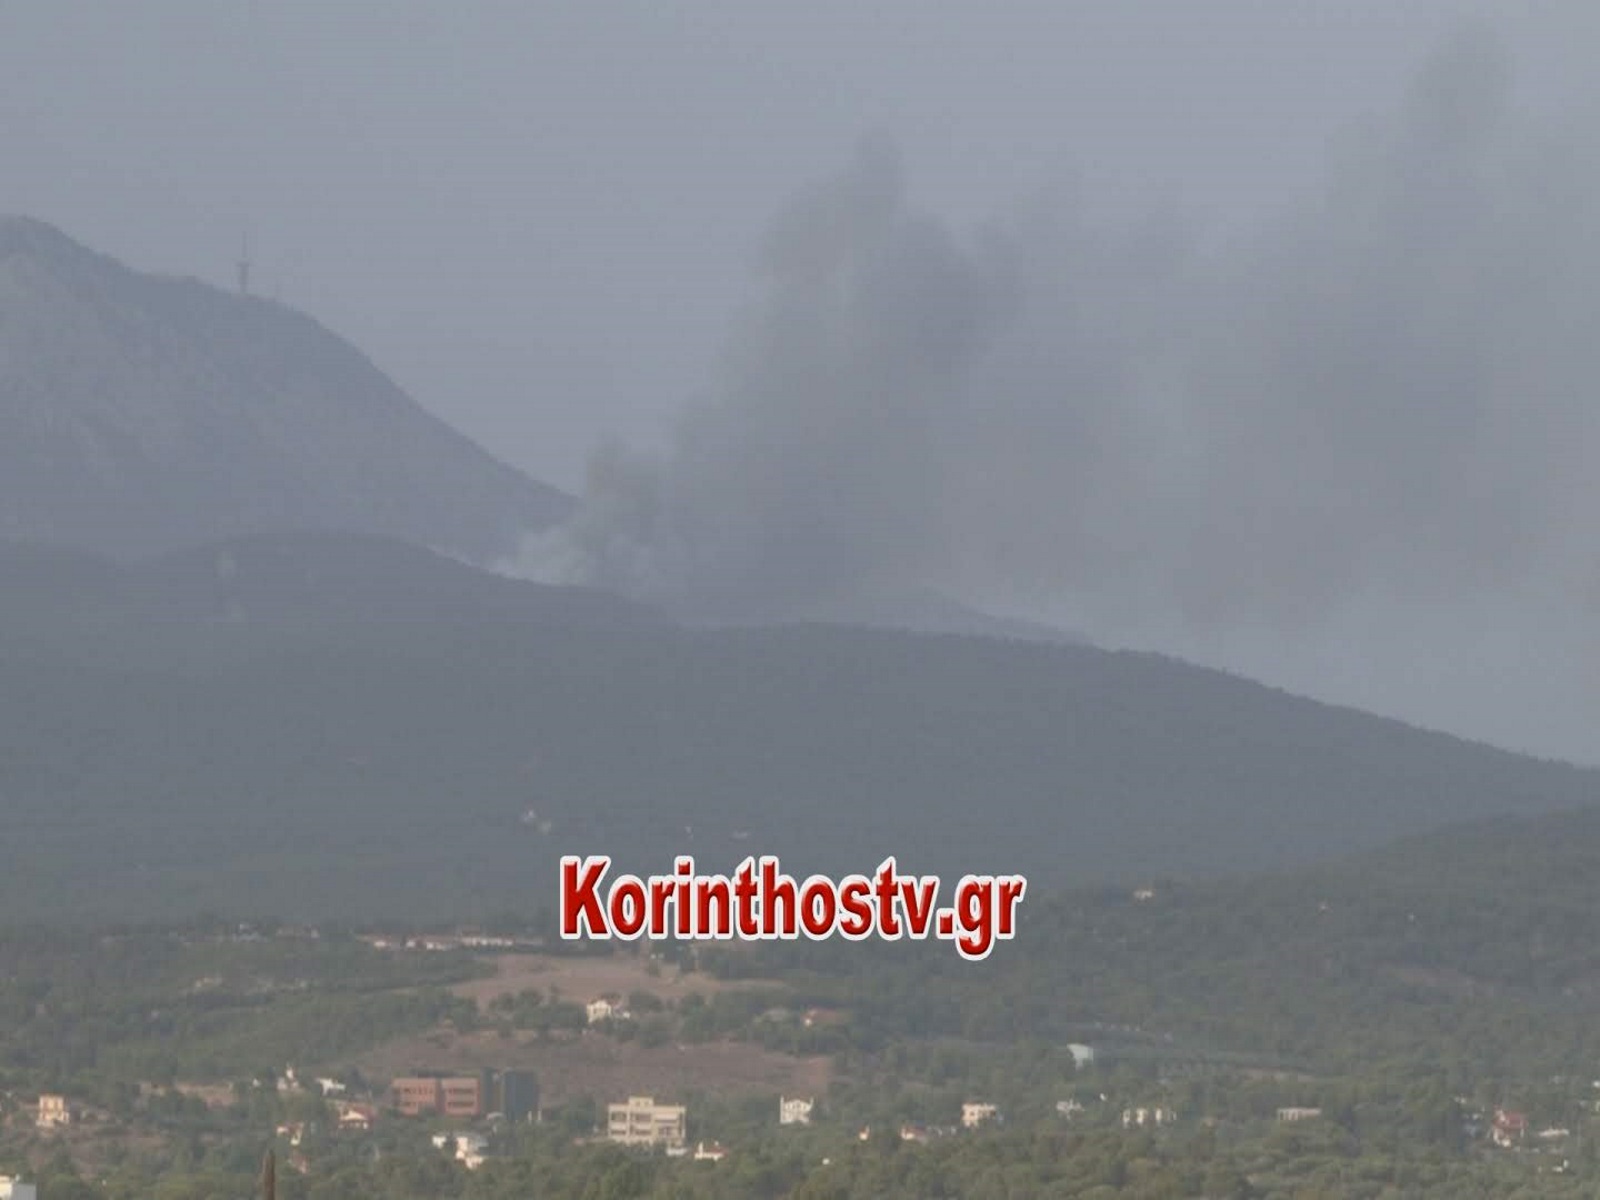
(515, 1095)
(794, 1111)
(640, 1121)
(413, 1096)
(54, 1111)
(462, 1096)
(15, 1189)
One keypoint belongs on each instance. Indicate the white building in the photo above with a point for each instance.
(1068, 1108)
(54, 1111)
(794, 1111)
(1082, 1056)
(467, 1148)
(1299, 1114)
(975, 1113)
(712, 1152)
(640, 1121)
(606, 1008)
(1140, 1118)
(13, 1189)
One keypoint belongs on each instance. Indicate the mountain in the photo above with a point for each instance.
(308, 575)
(141, 414)
(1460, 956)
(314, 575)
(924, 610)
(385, 769)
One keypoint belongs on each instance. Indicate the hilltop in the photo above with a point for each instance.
(141, 414)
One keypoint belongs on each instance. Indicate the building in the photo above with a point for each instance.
(1298, 1114)
(1082, 1056)
(605, 1008)
(1509, 1128)
(640, 1121)
(515, 1095)
(794, 1111)
(467, 1148)
(1068, 1108)
(452, 1096)
(1140, 1118)
(15, 1189)
(975, 1113)
(710, 1152)
(413, 1096)
(54, 1111)
(355, 1118)
(463, 1097)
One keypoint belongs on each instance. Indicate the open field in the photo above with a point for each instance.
(581, 979)
(595, 1065)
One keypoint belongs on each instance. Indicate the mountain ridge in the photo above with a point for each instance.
(144, 413)
(184, 768)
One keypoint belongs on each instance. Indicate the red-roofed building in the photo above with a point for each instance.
(1509, 1127)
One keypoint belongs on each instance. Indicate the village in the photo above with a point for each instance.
(517, 1049)
(465, 1115)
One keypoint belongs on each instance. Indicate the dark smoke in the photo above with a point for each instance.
(1387, 393)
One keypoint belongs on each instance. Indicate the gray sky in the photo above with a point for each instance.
(538, 217)
(544, 221)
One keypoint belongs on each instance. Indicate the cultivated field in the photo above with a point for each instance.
(595, 1065)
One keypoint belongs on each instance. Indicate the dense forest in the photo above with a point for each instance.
(305, 767)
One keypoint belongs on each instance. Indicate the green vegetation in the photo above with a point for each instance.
(427, 771)
(1404, 995)
(94, 1014)
(423, 770)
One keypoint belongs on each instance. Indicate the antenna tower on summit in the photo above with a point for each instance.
(244, 266)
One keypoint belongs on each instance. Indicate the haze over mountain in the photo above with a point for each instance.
(141, 414)
(298, 576)
(382, 768)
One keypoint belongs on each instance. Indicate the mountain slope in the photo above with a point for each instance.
(1470, 952)
(304, 769)
(291, 576)
(313, 575)
(140, 414)
(924, 610)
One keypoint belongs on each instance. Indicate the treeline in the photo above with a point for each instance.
(93, 1013)
(1293, 1163)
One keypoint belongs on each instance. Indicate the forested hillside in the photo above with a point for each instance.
(301, 767)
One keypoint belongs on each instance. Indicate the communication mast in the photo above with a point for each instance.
(244, 266)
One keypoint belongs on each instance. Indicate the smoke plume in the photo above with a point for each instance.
(1386, 391)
